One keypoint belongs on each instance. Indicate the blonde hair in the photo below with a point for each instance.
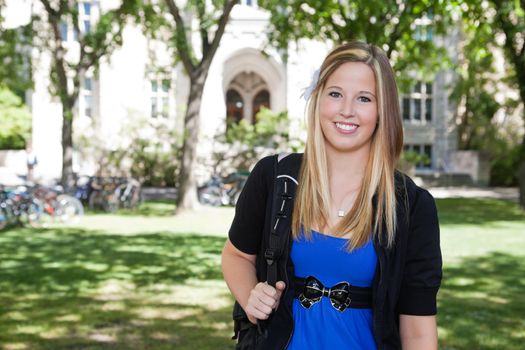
(374, 209)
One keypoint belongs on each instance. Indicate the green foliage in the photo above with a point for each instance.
(413, 157)
(244, 143)
(410, 159)
(503, 170)
(477, 82)
(15, 59)
(390, 25)
(100, 41)
(474, 88)
(15, 119)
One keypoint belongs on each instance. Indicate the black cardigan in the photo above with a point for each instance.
(408, 275)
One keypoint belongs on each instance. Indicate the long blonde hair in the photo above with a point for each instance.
(374, 209)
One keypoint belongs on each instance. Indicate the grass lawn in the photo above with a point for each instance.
(148, 280)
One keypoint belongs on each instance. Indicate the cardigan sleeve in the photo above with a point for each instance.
(423, 265)
(247, 227)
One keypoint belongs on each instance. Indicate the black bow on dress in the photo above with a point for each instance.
(314, 290)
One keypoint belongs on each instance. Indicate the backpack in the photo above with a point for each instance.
(286, 171)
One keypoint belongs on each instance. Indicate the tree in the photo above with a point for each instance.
(211, 17)
(15, 61)
(475, 90)
(507, 18)
(510, 20)
(403, 29)
(66, 74)
(475, 77)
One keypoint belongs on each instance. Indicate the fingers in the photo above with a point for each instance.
(263, 300)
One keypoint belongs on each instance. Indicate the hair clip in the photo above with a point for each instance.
(307, 92)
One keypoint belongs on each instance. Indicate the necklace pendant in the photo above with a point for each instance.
(340, 213)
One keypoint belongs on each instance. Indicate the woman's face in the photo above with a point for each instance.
(348, 108)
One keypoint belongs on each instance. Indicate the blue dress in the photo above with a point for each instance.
(321, 326)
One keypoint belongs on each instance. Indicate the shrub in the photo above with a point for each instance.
(244, 143)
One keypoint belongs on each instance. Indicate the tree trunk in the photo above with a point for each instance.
(520, 72)
(67, 145)
(521, 181)
(187, 189)
(521, 164)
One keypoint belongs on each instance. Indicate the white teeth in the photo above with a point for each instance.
(346, 127)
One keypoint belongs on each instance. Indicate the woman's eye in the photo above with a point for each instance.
(364, 99)
(334, 94)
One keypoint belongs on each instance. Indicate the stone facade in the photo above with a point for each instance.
(139, 81)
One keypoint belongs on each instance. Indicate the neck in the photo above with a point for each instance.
(346, 169)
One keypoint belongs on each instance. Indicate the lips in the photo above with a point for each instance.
(346, 128)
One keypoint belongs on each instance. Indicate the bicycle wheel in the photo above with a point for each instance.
(69, 208)
(95, 200)
(31, 211)
(211, 196)
(111, 203)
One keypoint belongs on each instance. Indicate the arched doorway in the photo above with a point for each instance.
(262, 99)
(234, 106)
(245, 96)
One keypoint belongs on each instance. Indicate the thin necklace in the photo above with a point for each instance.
(341, 212)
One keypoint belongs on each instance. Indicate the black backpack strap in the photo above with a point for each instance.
(286, 170)
(285, 185)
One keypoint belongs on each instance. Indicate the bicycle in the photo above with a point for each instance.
(58, 205)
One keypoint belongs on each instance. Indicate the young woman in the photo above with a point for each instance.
(365, 250)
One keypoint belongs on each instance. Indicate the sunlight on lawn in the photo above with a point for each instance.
(102, 284)
(148, 280)
(206, 221)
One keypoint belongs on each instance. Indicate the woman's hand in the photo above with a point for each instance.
(263, 300)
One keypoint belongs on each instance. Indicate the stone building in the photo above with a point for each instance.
(139, 81)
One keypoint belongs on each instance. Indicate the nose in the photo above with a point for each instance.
(347, 108)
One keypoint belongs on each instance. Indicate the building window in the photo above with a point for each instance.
(262, 99)
(423, 33)
(234, 107)
(87, 8)
(84, 16)
(63, 31)
(160, 101)
(417, 105)
(425, 150)
(423, 30)
(87, 93)
(68, 31)
(252, 3)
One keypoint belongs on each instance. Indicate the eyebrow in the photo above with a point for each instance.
(361, 92)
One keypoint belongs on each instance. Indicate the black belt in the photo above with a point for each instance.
(343, 295)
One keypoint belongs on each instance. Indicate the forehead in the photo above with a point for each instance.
(352, 74)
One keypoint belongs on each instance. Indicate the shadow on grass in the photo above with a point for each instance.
(477, 211)
(56, 258)
(482, 303)
(79, 289)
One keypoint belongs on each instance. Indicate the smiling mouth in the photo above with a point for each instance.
(346, 127)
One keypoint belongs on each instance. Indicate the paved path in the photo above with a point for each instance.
(510, 193)
(159, 193)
